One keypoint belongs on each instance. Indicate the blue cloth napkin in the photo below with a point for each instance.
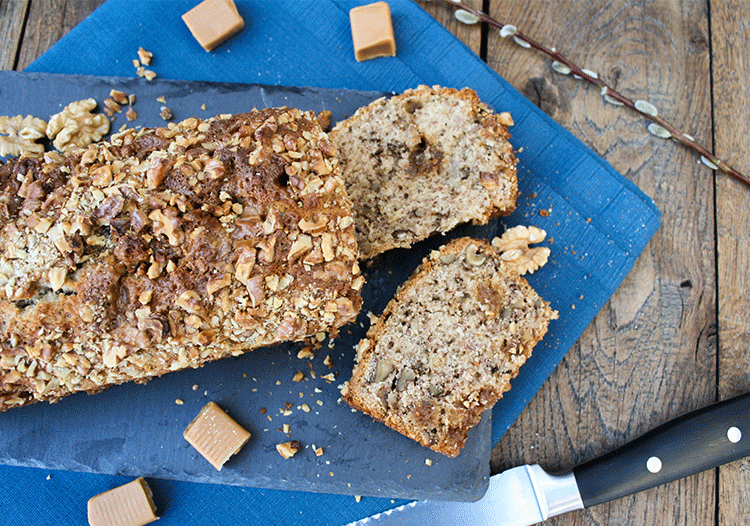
(599, 221)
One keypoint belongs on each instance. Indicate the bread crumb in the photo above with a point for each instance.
(298, 377)
(179, 401)
(358, 497)
(428, 461)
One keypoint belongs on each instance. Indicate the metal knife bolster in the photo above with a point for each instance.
(555, 494)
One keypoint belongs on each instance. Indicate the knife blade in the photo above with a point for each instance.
(525, 495)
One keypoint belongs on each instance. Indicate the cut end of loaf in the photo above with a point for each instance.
(447, 346)
(423, 162)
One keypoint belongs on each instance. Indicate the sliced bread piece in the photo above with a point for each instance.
(446, 347)
(423, 162)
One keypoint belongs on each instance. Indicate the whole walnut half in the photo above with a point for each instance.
(75, 125)
(18, 135)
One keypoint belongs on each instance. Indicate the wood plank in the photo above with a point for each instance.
(650, 353)
(469, 35)
(48, 21)
(12, 16)
(731, 68)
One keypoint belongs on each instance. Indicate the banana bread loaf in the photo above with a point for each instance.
(446, 347)
(423, 162)
(166, 248)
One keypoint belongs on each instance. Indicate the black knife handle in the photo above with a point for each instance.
(695, 442)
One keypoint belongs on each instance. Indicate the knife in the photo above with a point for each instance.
(525, 495)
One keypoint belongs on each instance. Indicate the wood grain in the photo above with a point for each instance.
(12, 17)
(469, 35)
(49, 21)
(650, 354)
(675, 335)
(731, 68)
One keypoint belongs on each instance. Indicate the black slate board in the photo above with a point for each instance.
(136, 430)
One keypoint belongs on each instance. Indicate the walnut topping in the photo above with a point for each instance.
(514, 248)
(77, 126)
(168, 224)
(300, 246)
(57, 278)
(156, 171)
(190, 301)
(313, 225)
(167, 248)
(18, 135)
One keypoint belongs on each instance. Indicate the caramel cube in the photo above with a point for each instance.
(215, 435)
(128, 505)
(372, 31)
(213, 21)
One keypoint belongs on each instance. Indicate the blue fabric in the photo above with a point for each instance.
(599, 221)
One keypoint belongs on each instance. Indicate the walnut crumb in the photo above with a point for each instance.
(166, 113)
(288, 449)
(119, 97)
(145, 73)
(145, 56)
(298, 377)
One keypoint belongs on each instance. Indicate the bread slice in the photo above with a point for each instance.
(166, 248)
(446, 347)
(423, 162)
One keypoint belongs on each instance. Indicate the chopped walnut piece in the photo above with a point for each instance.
(111, 106)
(119, 97)
(18, 135)
(131, 115)
(288, 449)
(77, 126)
(166, 113)
(145, 56)
(145, 73)
(505, 119)
(515, 251)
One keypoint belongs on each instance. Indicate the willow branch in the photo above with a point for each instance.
(660, 127)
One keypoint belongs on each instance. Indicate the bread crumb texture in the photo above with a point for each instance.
(447, 346)
(166, 248)
(423, 162)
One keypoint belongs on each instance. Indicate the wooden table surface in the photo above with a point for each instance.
(675, 336)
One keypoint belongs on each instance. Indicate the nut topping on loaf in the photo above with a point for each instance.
(423, 162)
(446, 347)
(170, 247)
